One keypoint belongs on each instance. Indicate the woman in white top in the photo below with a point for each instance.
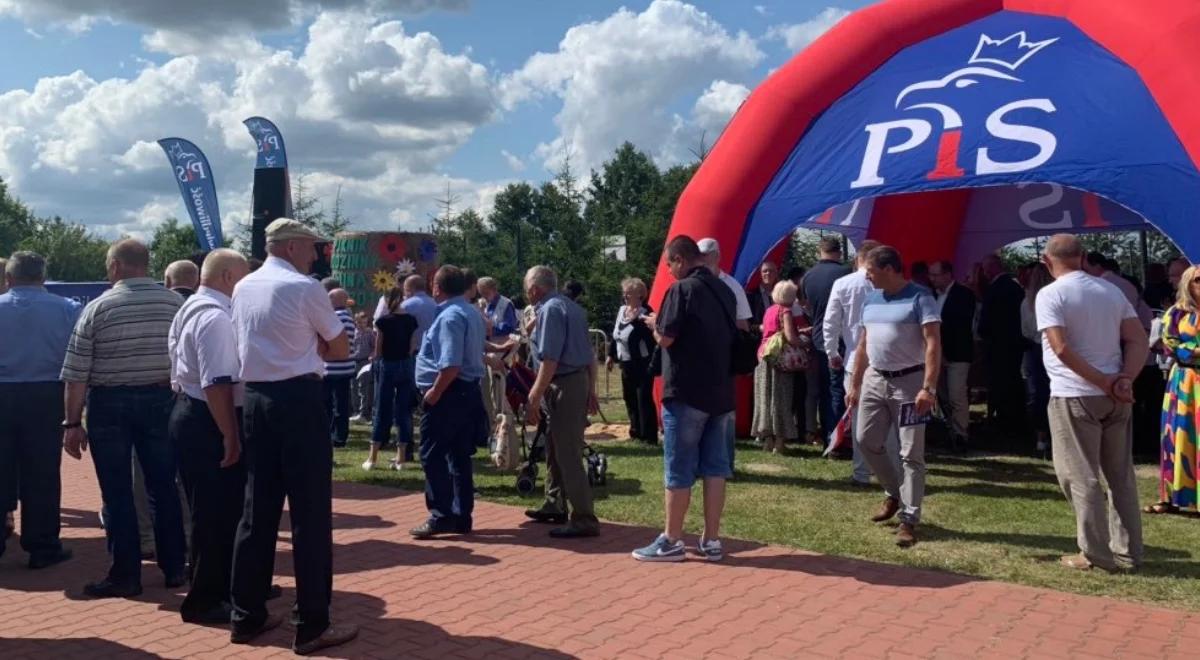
(1037, 383)
(632, 344)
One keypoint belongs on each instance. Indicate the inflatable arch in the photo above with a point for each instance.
(948, 128)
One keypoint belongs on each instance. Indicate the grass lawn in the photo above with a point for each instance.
(994, 517)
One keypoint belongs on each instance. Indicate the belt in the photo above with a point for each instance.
(294, 379)
(903, 372)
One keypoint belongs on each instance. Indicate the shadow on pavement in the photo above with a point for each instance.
(82, 647)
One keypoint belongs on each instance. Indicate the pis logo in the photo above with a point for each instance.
(188, 166)
(995, 59)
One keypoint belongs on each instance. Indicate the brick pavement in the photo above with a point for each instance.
(509, 592)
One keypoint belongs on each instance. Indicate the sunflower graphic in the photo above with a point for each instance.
(391, 248)
(405, 268)
(383, 281)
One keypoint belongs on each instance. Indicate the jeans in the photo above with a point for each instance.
(362, 394)
(694, 445)
(449, 430)
(30, 458)
(287, 454)
(832, 397)
(337, 408)
(394, 393)
(121, 419)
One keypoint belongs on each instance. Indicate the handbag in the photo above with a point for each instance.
(783, 356)
(743, 352)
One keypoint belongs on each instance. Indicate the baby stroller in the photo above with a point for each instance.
(518, 383)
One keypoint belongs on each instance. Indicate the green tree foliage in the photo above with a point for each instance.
(172, 241)
(72, 253)
(16, 222)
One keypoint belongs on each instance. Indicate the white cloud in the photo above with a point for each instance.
(617, 77)
(799, 35)
(514, 162)
(761, 10)
(718, 103)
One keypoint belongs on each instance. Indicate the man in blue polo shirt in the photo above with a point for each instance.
(36, 326)
(449, 366)
(896, 369)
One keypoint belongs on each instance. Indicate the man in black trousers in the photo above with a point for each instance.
(1004, 345)
(286, 330)
(204, 427)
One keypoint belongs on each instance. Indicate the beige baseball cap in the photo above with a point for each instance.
(286, 229)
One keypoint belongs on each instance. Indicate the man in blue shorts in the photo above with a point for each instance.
(695, 329)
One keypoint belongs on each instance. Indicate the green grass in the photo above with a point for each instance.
(993, 517)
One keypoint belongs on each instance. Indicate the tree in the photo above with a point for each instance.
(72, 253)
(172, 241)
(16, 222)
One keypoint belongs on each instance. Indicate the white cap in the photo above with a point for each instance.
(708, 245)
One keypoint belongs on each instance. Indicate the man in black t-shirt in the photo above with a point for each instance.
(695, 330)
(817, 284)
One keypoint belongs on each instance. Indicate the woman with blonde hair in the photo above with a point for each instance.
(774, 380)
(631, 346)
(1181, 404)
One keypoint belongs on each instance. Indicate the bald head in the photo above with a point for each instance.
(1065, 254)
(340, 298)
(414, 284)
(223, 269)
(127, 258)
(181, 274)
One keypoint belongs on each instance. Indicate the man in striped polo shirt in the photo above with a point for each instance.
(117, 361)
(896, 368)
(339, 374)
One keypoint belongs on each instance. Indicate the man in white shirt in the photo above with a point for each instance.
(286, 329)
(1093, 347)
(842, 321)
(205, 431)
(710, 252)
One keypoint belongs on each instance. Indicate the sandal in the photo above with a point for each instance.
(1160, 508)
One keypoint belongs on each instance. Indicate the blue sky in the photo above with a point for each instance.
(390, 100)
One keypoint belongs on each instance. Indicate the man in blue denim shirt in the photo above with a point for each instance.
(449, 366)
(36, 326)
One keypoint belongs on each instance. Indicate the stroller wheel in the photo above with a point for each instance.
(527, 479)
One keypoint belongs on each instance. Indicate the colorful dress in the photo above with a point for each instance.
(774, 416)
(1181, 412)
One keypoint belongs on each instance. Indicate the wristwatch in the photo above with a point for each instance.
(931, 391)
(68, 425)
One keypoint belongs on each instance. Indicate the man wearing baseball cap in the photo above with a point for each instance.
(286, 330)
(710, 250)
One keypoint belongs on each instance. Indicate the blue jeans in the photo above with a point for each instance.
(448, 433)
(120, 420)
(337, 407)
(832, 398)
(695, 445)
(394, 392)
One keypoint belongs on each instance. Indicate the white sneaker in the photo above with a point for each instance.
(395, 465)
(358, 418)
(711, 549)
(368, 465)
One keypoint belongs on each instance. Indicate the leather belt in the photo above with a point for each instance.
(903, 372)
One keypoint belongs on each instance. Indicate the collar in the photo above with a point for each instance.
(554, 295)
(134, 281)
(835, 262)
(452, 302)
(993, 281)
(26, 289)
(275, 262)
(225, 301)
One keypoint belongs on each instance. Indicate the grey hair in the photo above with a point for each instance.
(542, 277)
(26, 267)
(489, 283)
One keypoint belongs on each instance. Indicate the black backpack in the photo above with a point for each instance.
(743, 353)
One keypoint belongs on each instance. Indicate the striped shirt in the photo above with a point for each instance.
(344, 367)
(121, 337)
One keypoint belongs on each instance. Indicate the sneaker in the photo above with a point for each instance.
(661, 550)
(357, 419)
(710, 549)
(368, 465)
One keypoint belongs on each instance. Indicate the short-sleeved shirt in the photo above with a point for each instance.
(396, 336)
(35, 326)
(561, 334)
(345, 367)
(202, 345)
(895, 339)
(741, 303)
(1090, 311)
(454, 340)
(697, 313)
(503, 315)
(121, 337)
(278, 313)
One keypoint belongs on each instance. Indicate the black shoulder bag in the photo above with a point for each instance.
(743, 353)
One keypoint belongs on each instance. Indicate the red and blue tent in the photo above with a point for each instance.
(943, 127)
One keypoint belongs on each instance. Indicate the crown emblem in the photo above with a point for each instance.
(1009, 52)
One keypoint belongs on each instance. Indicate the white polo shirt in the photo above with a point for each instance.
(1090, 311)
(742, 305)
(202, 346)
(278, 314)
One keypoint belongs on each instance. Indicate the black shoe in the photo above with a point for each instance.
(274, 592)
(175, 581)
(573, 532)
(147, 555)
(334, 635)
(215, 615)
(246, 636)
(46, 561)
(544, 516)
(106, 589)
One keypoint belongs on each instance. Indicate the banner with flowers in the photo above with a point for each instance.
(369, 264)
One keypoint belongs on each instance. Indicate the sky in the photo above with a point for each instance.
(390, 101)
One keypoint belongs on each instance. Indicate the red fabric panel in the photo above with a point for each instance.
(908, 222)
(769, 124)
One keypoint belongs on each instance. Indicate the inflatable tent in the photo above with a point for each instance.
(948, 128)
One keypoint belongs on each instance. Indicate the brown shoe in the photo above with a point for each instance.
(333, 636)
(1077, 562)
(890, 506)
(906, 535)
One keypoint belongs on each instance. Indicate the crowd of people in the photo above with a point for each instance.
(212, 399)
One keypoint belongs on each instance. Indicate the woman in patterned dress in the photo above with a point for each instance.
(774, 423)
(1181, 405)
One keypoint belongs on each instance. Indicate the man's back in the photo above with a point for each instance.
(698, 313)
(423, 309)
(121, 337)
(958, 316)
(844, 312)
(36, 326)
(561, 334)
(817, 284)
(1090, 311)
